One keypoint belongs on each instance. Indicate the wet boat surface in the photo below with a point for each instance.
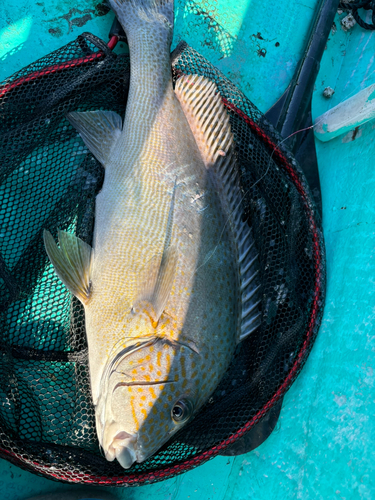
(322, 444)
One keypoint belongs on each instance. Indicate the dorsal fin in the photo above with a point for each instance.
(209, 122)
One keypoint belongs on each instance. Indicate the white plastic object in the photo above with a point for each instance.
(347, 115)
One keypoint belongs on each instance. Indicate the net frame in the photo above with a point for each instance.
(74, 464)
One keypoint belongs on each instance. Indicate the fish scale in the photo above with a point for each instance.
(166, 289)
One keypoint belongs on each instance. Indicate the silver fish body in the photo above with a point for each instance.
(169, 286)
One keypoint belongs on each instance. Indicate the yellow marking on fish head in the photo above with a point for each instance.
(146, 309)
(161, 399)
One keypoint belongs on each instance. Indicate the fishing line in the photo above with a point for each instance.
(264, 175)
(253, 185)
(313, 126)
(245, 194)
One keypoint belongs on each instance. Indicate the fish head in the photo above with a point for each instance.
(152, 391)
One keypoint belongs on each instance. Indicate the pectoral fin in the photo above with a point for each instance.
(157, 280)
(159, 273)
(72, 262)
(99, 130)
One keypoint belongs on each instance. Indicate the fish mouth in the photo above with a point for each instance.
(124, 449)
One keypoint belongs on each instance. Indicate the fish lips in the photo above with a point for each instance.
(124, 448)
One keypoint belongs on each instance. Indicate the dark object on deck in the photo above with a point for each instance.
(49, 180)
(292, 112)
(354, 5)
(256, 435)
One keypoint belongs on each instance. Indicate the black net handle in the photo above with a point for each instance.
(360, 4)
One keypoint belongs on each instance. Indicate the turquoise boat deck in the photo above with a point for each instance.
(322, 447)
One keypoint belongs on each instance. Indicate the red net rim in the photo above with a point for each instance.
(57, 67)
(169, 471)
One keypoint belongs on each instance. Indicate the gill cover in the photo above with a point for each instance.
(153, 380)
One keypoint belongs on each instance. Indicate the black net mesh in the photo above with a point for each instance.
(49, 180)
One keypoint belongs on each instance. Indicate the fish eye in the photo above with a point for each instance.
(182, 410)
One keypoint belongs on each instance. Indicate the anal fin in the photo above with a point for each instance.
(99, 130)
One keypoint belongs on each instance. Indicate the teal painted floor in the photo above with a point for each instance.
(323, 444)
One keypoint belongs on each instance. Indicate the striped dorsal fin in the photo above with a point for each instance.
(209, 123)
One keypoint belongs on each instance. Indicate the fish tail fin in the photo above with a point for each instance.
(150, 15)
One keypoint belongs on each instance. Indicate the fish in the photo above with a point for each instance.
(170, 285)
